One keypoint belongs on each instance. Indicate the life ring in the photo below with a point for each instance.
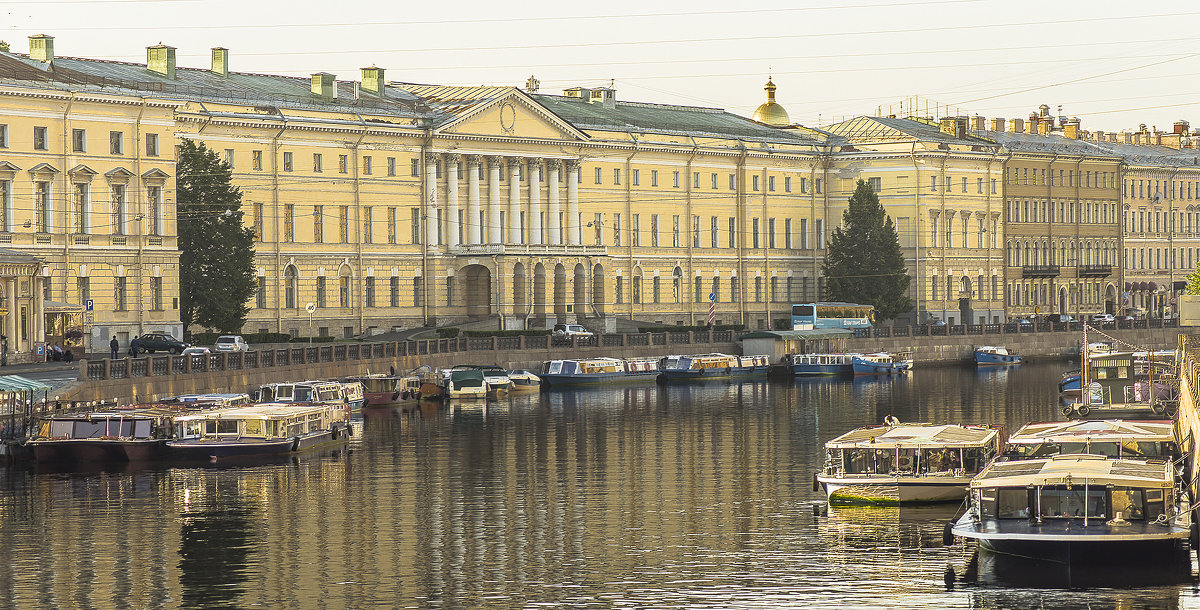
(1084, 410)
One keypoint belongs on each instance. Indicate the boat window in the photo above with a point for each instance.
(939, 460)
(1154, 503)
(1129, 502)
(142, 428)
(227, 426)
(284, 392)
(906, 460)
(1012, 503)
(1105, 448)
(555, 367)
(973, 459)
(1141, 449)
(1060, 502)
(1033, 450)
(61, 428)
(303, 394)
(89, 429)
(328, 395)
(987, 502)
(254, 427)
(860, 461)
(671, 363)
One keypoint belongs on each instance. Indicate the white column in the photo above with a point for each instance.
(495, 232)
(474, 236)
(535, 201)
(552, 166)
(39, 311)
(573, 203)
(14, 310)
(431, 202)
(451, 200)
(514, 202)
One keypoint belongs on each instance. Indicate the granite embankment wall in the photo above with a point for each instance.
(145, 379)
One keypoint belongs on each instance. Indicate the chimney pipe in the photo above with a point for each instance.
(372, 80)
(997, 124)
(323, 84)
(220, 61)
(160, 59)
(41, 47)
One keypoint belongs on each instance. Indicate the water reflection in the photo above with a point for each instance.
(691, 495)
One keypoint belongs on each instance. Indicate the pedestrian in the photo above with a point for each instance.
(114, 347)
(133, 348)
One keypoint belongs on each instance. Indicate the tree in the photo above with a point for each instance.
(1193, 282)
(216, 261)
(864, 263)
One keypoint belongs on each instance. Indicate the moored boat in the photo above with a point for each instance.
(882, 363)
(524, 381)
(257, 430)
(822, 364)
(711, 366)
(897, 463)
(995, 354)
(590, 371)
(1077, 509)
(101, 437)
(466, 384)
(1116, 438)
(355, 395)
(383, 390)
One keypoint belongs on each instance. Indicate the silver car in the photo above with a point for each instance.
(232, 343)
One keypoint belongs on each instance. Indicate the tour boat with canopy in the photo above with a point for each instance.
(1115, 438)
(711, 366)
(256, 430)
(594, 371)
(897, 463)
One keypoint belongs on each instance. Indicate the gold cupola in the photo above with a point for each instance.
(770, 112)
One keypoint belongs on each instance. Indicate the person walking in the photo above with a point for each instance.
(114, 347)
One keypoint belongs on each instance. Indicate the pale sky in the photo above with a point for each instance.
(1112, 64)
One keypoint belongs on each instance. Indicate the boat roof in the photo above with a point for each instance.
(1105, 429)
(914, 435)
(1077, 470)
(266, 410)
(600, 360)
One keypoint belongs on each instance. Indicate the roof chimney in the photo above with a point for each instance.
(323, 84)
(1071, 128)
(1018, 125)
(1032, 125)
(161, 59)
(997, 124)
(1180, 127)
(41, 47)
(372, 80)
(978, 123)
(220, 61)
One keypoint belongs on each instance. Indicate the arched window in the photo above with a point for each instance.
(677, 284)
(291, 286)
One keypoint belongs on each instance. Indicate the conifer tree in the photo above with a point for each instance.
(216, 261)
(863, 263)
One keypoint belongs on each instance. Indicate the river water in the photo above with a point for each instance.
(645, 496)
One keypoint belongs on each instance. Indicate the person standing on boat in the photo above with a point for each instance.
(114, 347)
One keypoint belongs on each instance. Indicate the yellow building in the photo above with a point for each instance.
(87, 171)
(941, 186)
(1061, 218)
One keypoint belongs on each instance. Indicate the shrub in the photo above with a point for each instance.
(683, 329)
(506, 333)
(449, 332)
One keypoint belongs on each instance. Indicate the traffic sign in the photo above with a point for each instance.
(712, 296)
(87, 305)
(311, 307)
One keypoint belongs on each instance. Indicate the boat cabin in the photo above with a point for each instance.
(264, 420)
(912, 449)
(1115, 438)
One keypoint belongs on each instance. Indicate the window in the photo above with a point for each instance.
(391, 225)
(733, 289)
(993, 186)
(229, 157)
(366, 165)
(964, 184)
(771, 233)
(119, 293)
(820, 230)
(616, 175)
(256, 160)
(450, 291)
(40, 141)
(394, 289)
(616, 229)
(699, 289)
(933, 183)
(78, 140)
(415, 169)
(344, 223)
(804, 185)
(343, 164)
(319, 224)
(979, 185)
(619, 290)
(344, 290)
(287, 161)
(369, 291)
(732, 232)
(260, 293)
(83, 286)
(291, 286)
(817, 185)
(875, 183)
(83, 221)
(116, 143)
(368, 226)
(803, 233)
(716, 289)
(289, 223)
(391, 166)
(787, 184)
(758, 290)
(732, 182)
(260, 222)
(321, 291)
(3, 136)
(317, 162)
(754, 182)
(637, 290)
(695, 231)
(43, 212)
(597, 226)
(653, 177)
(675, 179)
(654, 289)
(674, 231)
(598, 170)
(654, 230)
(6, 205)
(118, 209)
(151, 145)
(695, 180)
(754, 233)
(714, 181)
(714, 232)
(787, 233)
(771, 183)
(635, 229)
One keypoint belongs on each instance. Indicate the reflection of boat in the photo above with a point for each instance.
(260, 429)
(900, 463)
(1077, 508)
(822, 364)
(591, 371)
(524, 381)
(882, 363)
(995, 354)
(711, 366)
(1142, 582)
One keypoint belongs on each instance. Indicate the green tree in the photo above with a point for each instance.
(216, 261)
(864, 263)
(1193, 282)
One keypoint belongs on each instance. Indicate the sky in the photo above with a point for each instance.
(1114, 65)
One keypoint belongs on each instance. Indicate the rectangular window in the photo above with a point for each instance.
(229, 157)
(83, 219)
(415, 168)
(321, 292)
(287, 161)
(654, 230)
(260, 293)
(289, 223)
(787, 233)
(675, 179)
(151, 145)
(653, 177)
(368, 226)
(716, 290)
(394, 289)
(116, 143)
(450, 291)
(391, 166)
(804, 185)
(817, 185)
(964, 184)
(260, 222)
(732, 182)
(343, 164)
(754, 182)
(78, 140)
(344, 223)
(619, 290)
(754, 233)
(597, 226)
(84, 287)
(317, 162)
(695, 180)
(733, 290)
(803, 233)
(771, 233)
(875, 183)
(654, 289)
(319, 224)
(635, 229)
(40, 139)
(43, 210)
(118, 209)
(156, 294)
(715, 233)
(933, 183)
(366, 161)
(369, 291)
(715, 182)
(771, 183)
(616, 175)
(732, 232)
(979, 185)
(119, 293)
(675, 231)
(3, 136)
(699, 289)
(344, 290)
(391, 225)
(616, 229)
(256, 160)
(820, 230)
(6, 205)
(637, 177)
(695, 231)
(787, 184)
(598, 172)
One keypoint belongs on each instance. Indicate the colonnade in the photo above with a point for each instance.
(483, 222)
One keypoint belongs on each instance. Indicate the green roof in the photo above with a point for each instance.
(16, 383)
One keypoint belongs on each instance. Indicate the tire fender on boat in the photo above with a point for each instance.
(296, 444)
(333, 433)
(948, 534)
(1084, 410)
(816, 483)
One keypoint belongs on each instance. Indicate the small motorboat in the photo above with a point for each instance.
(882, 363)
(995, 354)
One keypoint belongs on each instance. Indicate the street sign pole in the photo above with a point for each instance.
(712, 309)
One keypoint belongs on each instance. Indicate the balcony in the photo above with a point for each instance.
(1095, 270)
(527, 249)
(1039, 271)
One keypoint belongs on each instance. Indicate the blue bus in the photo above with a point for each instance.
(809, 316)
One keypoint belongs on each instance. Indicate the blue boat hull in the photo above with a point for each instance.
(864, 367)
(1070, 383)
(569, 379)
(987, 358)
(822, 369)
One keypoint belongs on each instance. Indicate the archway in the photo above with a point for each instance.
(539, 294)
(519, 292)
(477, 281)
(1110, 299)
(964, 300)
(1062, 299)
(580, 292)
(560, 293)
(598, 287)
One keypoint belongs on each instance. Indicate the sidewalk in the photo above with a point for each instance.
(38, 367)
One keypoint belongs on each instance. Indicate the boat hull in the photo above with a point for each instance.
(215, 449)
(95, 450)
(894, 490)
(989, 358)
(868, 367)
(806, 370)
(1072, 542)
(713, 373)
(573, 379)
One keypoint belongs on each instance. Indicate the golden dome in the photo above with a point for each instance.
(770, 112)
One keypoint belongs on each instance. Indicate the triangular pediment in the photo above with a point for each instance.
(43, 168)
(8, 168)
(155, 175)
(514, 115)
(82, 171)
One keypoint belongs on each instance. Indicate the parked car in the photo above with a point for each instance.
(195, 350)
(1125, 318)
(1059, 318)
(567, 331)
(160, 342)
(1101, 318)
(232, 343)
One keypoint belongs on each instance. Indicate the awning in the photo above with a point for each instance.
(17, 383)
(57, 307)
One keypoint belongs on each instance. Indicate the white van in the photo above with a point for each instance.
(232, 343)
